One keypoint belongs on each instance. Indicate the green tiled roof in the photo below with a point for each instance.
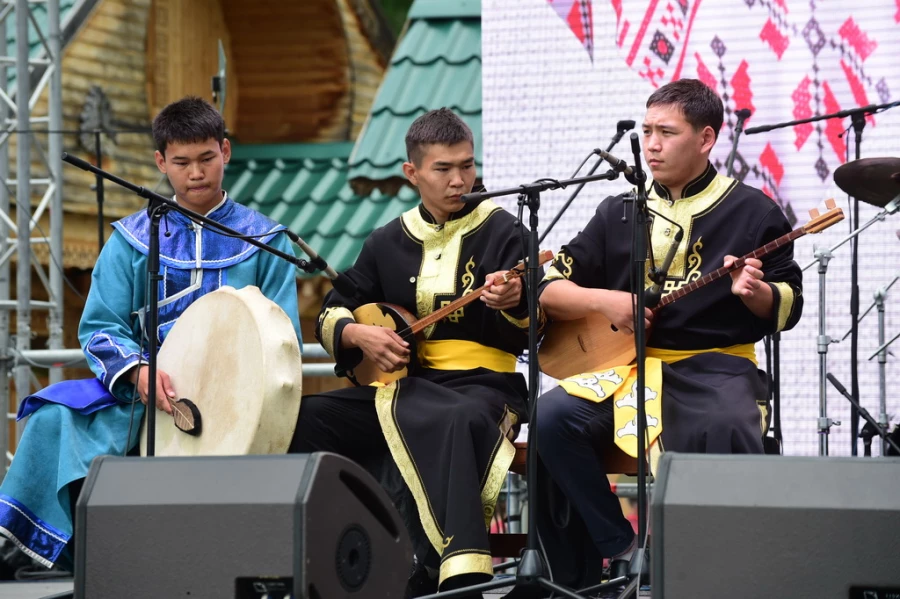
(305, 188)
(437, 63)
(39, 10)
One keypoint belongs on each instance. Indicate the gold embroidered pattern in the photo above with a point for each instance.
(785, 304)
(684, 212)
(469, 278)
(567, 261)
(455, 316)
(553, 274)
(385, 406)
(694, 261)
(441, 246)
(327, 322)
(504, 452)
(466, 563)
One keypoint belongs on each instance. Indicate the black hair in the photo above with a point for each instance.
(189, 120)
(699, 104)
(439, 126)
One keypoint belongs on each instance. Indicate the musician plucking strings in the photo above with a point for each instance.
(448, 425)
(72, 422)
(704, 392)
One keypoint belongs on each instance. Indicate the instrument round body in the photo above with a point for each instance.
(587, 344)
(397, 319)
(234, 353)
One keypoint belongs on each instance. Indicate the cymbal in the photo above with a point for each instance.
(875, 181)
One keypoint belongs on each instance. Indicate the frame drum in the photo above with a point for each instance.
(233, 353)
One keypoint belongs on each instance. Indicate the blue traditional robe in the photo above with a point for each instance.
(73, 422)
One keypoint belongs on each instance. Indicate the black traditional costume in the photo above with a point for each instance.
(449, 425)
(707, 394)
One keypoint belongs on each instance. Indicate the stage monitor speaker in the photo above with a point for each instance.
(311, 526)
(775, 526)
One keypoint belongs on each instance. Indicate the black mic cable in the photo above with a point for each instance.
(621, 128)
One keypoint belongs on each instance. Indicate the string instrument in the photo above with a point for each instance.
(402, 321)
(235, 356)
(591, 343)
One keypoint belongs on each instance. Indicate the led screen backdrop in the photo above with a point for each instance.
(559, 74)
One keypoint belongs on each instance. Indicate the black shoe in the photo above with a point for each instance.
(622, 567)
(420, 582)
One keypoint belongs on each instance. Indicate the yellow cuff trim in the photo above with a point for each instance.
(329, 320)
(452, 354)
(785, 304)
(466, 563)
(522, 323)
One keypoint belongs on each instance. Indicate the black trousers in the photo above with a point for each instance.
(711, 404)
(436, 443)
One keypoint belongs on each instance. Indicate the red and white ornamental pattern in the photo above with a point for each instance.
(556, 92)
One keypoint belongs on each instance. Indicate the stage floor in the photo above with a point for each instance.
(38, 589)
(48, 589)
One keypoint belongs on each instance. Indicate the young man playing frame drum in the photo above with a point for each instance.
(74, 421)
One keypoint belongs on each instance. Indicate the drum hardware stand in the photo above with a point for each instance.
(621, 128)
(822, 342)
(159, 206)
(882, 352)
(879, 298)
(882, 431)
(822, 257)
(858, 119)
(531, 580)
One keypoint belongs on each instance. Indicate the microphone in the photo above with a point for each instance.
(623, 126)
(342, 283)
(743, 114)
(841, 389)
(636, 176)
(617, 164)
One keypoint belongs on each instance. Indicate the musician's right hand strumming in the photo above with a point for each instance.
(564, 300)
(618, 307)
(382, 346)
(139, 377)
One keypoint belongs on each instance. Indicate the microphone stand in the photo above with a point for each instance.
(773, 341)
(639, 245)
(530, 576)
(159, 207)
(742, 115)
(621, 128)
(858, 120)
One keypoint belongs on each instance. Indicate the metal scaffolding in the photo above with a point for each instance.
(34, 76)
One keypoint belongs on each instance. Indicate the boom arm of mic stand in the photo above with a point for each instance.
(152, 196)
(891, 208)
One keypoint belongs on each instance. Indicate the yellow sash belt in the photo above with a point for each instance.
(620, 383)
(454, 354)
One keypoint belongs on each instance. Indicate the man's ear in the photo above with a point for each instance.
(160, 162)
(409, 169)
(709, 139)
(226, 150)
